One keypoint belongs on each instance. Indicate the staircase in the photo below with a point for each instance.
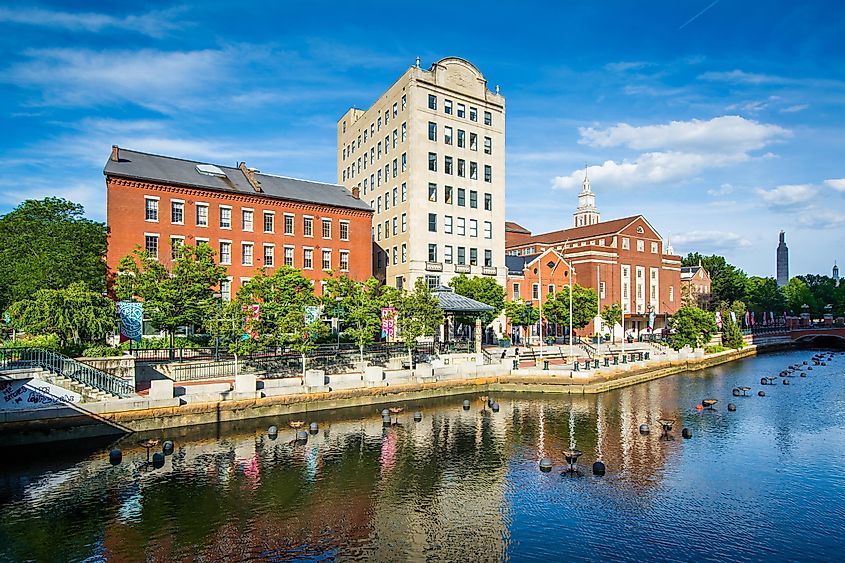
(91, 383)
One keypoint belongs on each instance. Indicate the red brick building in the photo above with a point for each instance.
(252, 220)
(624, 260)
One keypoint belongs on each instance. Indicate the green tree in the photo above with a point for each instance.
(75, 314)
(611, 315)
(357, 306)
(181, 296)
(727, 282)
(522, 314)
(763, 294)
(49, 244)
(418, 314)
(823, 290)
(286, 307)
(227, 325)
(584, 306)
(483, 289)
(691, 326)
(731, 334)
(797, 295)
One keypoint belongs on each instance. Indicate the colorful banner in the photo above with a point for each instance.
(733, 317)
(388, 322)
(253, 312)
(753, 321)
(719, 319)
(131, 315)
(312, 314)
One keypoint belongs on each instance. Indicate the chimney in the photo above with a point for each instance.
(250, 177)
(356, 192)
(115, 153)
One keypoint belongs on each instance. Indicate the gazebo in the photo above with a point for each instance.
(458, 305)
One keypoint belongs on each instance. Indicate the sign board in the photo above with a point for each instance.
(388, 322)
(25, 394)
(131, 319)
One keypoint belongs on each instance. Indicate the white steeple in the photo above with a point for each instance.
(586, 213)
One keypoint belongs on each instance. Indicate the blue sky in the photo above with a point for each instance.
(722, 122)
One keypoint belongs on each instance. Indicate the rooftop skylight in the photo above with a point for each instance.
(210, 170)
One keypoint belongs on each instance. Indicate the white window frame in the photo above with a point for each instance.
(147, 200)
(220, 251)
(244, 245)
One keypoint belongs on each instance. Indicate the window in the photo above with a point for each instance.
(488, 173)
(640, 245)
(327, 260)
(462, 226)
(378, 149)
(177, 212)
(395, 196)
(473, 171)
(246, 219)
(404, 159)
(386, 201)
(432, 161)
(447, 107)
(448, 198)
(395, 168)
(462, 110)
(654, 248)
(308, 226)
(432, 101)
(404, 101)
(151, 209)
(344, 260)
(447, 164)
(432, 192)
(447, 253)
(378, 231)
(327, 228)
(432, 222)
(344, 230)
(601, 290)
(404, 222)
(671, 293)
(535, 291)
(378, 205)
(473, 114)
(488, 118)
(151, 245)
(288, 256)
(488, 230)
(225, 252)
(226, 290)
(551, 290)
(308, 259)
(473, 228)
(386, 117)
(473, 257)
(404, 135)
(378, 125)
(432, 253)
(404, 191)
(488, 145)
(515, 291)
(269, 255)
(447, 224)
(461, 197)
(288, 223)
(432, 131)
(246, 254)
(461, 138)
(462, 255)
(462, 165)
(432, 281)
(395, 139)
(225, 217)
(395, 226)
(488, 258)
(626, 243)
(270, 222)
(473, 199)
(395, 109)
(202, 215)
(488, 202)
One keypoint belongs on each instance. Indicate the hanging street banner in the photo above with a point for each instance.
(312, 314)
(131, 315)
(253, 312)
(388, 322)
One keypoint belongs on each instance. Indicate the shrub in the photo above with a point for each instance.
(47, 341)
(714, 349)
(101, 351)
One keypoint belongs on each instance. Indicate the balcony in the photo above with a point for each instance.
(463, 268)
(488, 271)
(433, 266)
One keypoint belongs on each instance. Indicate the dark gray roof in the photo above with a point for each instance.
(516, 264)
(451, 302)
(168, 170)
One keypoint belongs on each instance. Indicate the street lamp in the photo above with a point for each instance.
(218, 297)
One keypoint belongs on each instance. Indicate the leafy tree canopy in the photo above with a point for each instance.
(357, 306)
(612, 315)
(418, 314)
(691, 326)
(483, 289)
(727, 282)
(49, 244)
(521, 313)
(584, 306)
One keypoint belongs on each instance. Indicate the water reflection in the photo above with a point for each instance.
(458, 485)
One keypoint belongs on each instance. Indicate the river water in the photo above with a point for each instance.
(766, 482)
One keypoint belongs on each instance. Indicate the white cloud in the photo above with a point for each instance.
(728, 132)
(822, 219)
(623, 66)
(724, 189)
(741, 77)
(787, 196)
(795, 108)
(154, 24)
(837, 184)
(708, 241)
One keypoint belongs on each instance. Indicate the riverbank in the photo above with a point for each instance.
(68, 423)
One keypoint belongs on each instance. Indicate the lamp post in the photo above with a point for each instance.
(571, 271)
(219, 299)
(552, 264)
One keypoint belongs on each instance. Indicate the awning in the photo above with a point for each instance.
(451, 302)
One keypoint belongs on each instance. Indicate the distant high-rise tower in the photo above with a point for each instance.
(783, 261)
(586, 214)
(835, 273)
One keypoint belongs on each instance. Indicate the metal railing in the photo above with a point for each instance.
(16, 358)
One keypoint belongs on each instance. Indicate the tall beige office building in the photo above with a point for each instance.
(429, 157)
